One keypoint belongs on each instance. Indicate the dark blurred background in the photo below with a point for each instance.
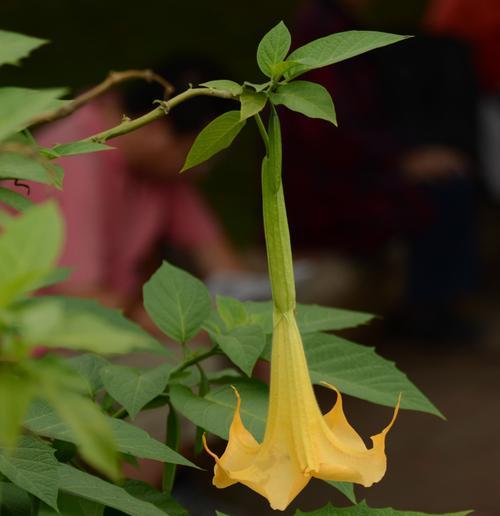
(396, 212)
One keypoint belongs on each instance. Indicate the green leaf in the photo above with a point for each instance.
(54, 277)
(19, 105)
(232, 312)
(89, 366)
(14, 501)
(91, 428)
(30, 167)
(258, 87)
(309, 98)
(133, 388)
(310, 318)
(16, 393)
(251, 103)
(73, 506)
(128, 439)
(14, 200)
(163, 501)
(362, 509)
(33, 467)
(357, 370)
(215, 411)
(177, 302)
(273, 48)
(338, 47)
(281, 68)
(243, 345)
(87, 486)
(313, 318)
(14, 46)
(216, 136)
(346, 488)
(228, 375)
(29, 248)
(72, 149)
(224, 84)
(135, 441)
(86, 325)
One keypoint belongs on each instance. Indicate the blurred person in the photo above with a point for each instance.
(397, 168)
(127, 209)
(478, 23)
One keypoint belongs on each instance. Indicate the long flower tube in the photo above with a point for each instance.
(299, 441)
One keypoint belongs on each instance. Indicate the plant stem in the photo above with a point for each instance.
(262, 131)
(112, 80)
(173, 440)
(277, 234)
(195, 360)
(127, 126)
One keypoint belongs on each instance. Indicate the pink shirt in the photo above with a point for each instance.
(113, 219)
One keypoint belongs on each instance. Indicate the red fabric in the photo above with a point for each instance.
(477, 22)
(114, 219)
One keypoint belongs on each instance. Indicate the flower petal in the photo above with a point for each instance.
(339, 461)
(337, 422)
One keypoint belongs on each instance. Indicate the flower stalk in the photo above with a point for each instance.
(299, 441)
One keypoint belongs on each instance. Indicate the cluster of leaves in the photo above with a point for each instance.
(282, 87)
(21, 158)
(65, 426)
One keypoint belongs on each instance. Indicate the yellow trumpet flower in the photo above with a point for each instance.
(299, 442)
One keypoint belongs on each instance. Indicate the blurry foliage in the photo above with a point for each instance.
(114, 35)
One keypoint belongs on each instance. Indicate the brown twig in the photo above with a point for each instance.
(112, 80)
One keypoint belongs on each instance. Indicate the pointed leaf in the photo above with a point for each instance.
(224, 84)
(30, 168)
(134, 388)
(89, 366)
(357, 370)
(215, 411)
(308, 98)
(251, 103)
(177, 302)
(87, 486)
(135, 441)
(216, 136)
(232, 312)
(243, 345)
(338, 47)
(310, 318)
(258, 87)
(346, 488)
(74, 148)
(273, 48)
(19, 105)
(14, 46)
(129, 439)
(33, 467)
